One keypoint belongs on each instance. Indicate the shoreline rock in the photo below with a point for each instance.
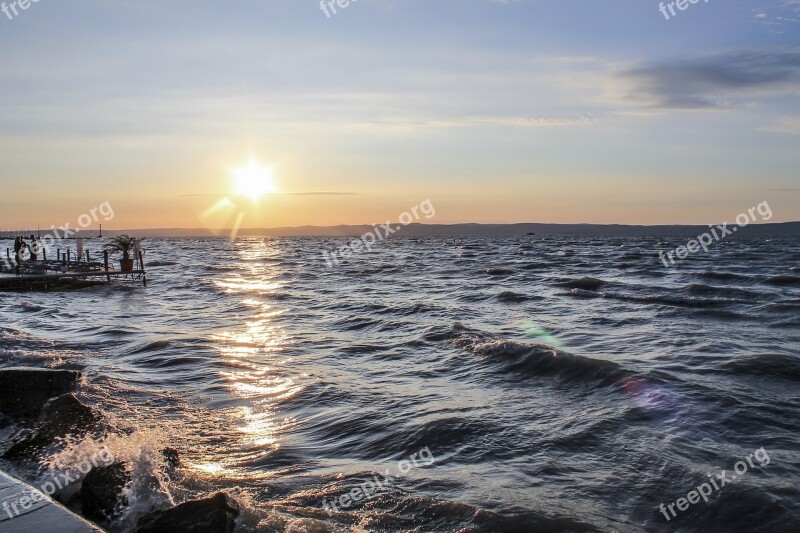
(101, 494)
(47, 396)
(27, 390)
(216, 514)
(60, 416)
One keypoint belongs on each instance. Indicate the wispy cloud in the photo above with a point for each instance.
(717, 81)
(410, 123)
(321, 193)
(778, 15)
(788, 125)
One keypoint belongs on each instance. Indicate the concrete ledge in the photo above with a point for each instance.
(42, 516)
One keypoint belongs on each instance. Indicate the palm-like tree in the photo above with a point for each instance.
(121, 243)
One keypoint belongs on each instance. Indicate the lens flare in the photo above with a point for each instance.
(531, 329)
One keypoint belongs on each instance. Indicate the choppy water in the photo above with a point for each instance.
(549, 402)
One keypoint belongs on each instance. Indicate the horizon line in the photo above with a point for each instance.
(500, 224)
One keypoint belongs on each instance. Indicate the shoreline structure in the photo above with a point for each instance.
(41, 514)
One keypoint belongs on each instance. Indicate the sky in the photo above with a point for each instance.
(568, 111)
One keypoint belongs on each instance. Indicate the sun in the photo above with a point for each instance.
(253, 180)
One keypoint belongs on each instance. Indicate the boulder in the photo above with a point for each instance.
(22, 445)
(216, 514)
(102, 492)
(26, 390)
(60, 417)
(171, 458)
(66, 415)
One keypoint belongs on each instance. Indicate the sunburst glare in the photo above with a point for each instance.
(253, 180)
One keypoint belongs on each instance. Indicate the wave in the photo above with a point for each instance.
(541, 360)
(783, 280)
(724, 292)
(720, 313)
(30, 307)
(216, 268)
(441, 515)
(411, 309)
(585, 283)
(661, 299)
(782, 307)
(152, 347)
(725, 276)
(499, 271)
(776, 366)
(512, 297)
(536, 266)
(354, 324)
(117, 332)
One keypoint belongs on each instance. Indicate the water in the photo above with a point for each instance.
(548, 401)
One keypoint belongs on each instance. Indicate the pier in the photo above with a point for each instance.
(65, 272)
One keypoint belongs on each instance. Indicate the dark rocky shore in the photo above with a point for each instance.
(42, 407)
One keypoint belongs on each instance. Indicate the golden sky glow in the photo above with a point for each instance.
(508, 112)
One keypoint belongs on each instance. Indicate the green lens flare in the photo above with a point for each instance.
(532, 329)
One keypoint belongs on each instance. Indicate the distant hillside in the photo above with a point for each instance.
(465, 230)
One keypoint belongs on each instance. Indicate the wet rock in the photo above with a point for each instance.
(102, 494)
(61, 416)
(171, 457)
(21, 446)
(66, 415)
(26, 390)
(211, 515)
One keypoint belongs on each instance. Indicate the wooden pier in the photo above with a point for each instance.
(64, 274)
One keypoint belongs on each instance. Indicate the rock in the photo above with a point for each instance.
(171, 457)
(64, 415)
(60, 417)
(102, 492)
(211, 515)
(22, 445)
(26, 390)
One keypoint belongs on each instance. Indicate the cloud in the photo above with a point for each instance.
(462, 122)
(322, 193)
(778, 15)
(789, 125)
(716, 81)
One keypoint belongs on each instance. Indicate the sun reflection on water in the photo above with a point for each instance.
(256, 375)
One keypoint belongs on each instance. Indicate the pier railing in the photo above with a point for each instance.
(19, 273)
